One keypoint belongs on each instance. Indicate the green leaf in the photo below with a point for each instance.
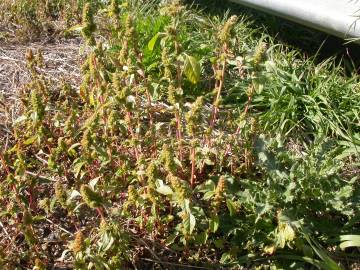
(231, 207)
(78, 166)
(192, 69)
(152, 42)
(75, 28)
(71, 151)
(226, 258)
(327, 263)
(201, 238)
(214, 223)
(189, 223)
(170, 239)
(31, 140)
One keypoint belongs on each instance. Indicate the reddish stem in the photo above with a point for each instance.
(246, 110)
(192, 180)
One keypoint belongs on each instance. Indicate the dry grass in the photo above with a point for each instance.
(62, 60)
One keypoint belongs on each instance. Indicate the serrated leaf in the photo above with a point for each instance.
(192, 69)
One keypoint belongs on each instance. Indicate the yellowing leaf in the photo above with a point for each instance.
(285, 234)
(192, 69)
(270, 250)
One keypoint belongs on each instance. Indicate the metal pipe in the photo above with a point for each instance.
(336, 17)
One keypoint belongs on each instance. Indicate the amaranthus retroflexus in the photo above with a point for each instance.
(114, 9)
(224, 33)
(37, 104)
(259, 55)
(60, 194)
(220, 67)
(167, 158)
(219, 193)
(194, 115)
(89, 25)
(179, 187)
(132, 194)
(78, 245)
(90, 197)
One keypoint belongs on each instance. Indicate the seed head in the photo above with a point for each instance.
(60, 193)
(167, 158)
(114, 9)
(86, 140)
(224, 34)
(259, 54)
(37, 104)
(78, 244)
(219, 193)
(194, 115)
(172, 97)
(132, 194)
(89, 25)
(90, 197)
(151, 172)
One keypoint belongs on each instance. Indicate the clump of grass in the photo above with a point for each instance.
(175, 148)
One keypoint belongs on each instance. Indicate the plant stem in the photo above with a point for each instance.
(192, 179)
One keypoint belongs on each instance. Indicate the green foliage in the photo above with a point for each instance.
(187, 137)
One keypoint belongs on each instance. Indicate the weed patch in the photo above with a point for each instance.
(189, 143)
